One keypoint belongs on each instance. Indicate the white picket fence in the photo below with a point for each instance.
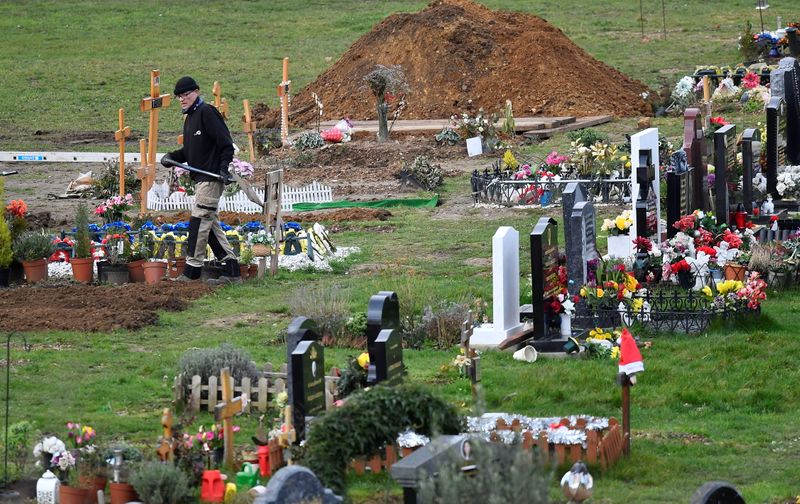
(159, 199)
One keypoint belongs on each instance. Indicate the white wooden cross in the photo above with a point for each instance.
(249, 127)
(220, 103)
(225, 411)
(152, 104)
(283, 93)
(120, 135)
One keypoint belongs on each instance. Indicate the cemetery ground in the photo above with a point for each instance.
(720, 405)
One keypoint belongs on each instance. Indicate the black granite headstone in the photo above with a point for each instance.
(300, 329)
(751, 159)
(694, 145)
(724, 165)
(645, 215)
(545, 284)
(308, 384)
(383, 312)
(387, 366)
(679, 197)
(776, 143)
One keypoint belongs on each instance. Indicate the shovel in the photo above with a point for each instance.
(251, 194)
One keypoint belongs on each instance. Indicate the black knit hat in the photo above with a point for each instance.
(185, 84)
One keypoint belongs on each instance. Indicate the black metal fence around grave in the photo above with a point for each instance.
(688, 313)
(500, 188)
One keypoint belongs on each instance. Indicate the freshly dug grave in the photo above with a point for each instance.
(69, 307)
(459, 56)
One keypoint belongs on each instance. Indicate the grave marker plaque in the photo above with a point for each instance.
(751, 156)
(776, 142)
(581, 246)
(387, 367)
(308, 383)
(544, 273)
(725, 164)
(694, 145)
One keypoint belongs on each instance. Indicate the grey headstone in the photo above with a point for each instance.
(717, 492)
(296, 485)
(575, 192)
(694, 145)
(580, 244)
(777, 78)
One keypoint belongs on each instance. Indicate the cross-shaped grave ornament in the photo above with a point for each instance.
(225, 411)
(120, 135)
(473, 370)
(165, 444)
(142, 173)
(283, 92)
(249, 127)
(152, 104)
(288, 435)
(220, 103)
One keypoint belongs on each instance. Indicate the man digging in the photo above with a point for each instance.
(207, 145)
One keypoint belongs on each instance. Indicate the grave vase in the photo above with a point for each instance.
(734, 272)
(566, 325)
(641, 265)
(35, 271)
(82, 269)
(620, 246)
(122, 493)
(716, 275)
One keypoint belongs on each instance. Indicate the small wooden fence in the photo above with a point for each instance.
(259, 393)
(159, 198)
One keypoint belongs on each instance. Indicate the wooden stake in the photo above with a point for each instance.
(225, 411)
(220, 103)
(152, 104)
(250, 128)
(120, 135)
(141, 174)
(625, 382)
(283, 93)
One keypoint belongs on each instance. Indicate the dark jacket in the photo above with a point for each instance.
(207, 143)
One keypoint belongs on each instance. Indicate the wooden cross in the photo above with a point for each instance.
(143, 174)
(273, 221)
(152, 104)
(165, 449)
(120, 135)
(471, 354)
(225, 411)
(288, 436)
(249, 127)
(220, 103)
(283, 93)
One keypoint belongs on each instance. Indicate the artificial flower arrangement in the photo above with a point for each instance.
(609, 284)
(63, 246)
(729, 293)
(15, 216)
(598, 158)
(601, 344)
(241, 168)
(620, 225)
(114, 208)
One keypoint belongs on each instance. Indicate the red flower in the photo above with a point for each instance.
(732, 238)
(685, 223)
(642, 244)
(710, 252)
(555, 306)
(620, 267)
(719, 121)
(681, 265)
(17, 208)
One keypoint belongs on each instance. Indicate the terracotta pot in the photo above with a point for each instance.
(244, 270)
(122, 493)
(734, 272)
(82, 269)
(35, 271)
(154, 271)
(135, 271)
(72, 495)
(93, 484)
(177, 267)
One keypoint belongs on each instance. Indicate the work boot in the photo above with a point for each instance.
(231, 273)
(183, 278)
(190, 274)
(225, 280)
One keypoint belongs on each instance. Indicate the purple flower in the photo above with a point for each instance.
(711, 178)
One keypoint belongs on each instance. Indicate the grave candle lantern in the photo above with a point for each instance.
(117, 464)
(47, 488)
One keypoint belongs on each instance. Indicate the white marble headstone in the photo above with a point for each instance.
(646, 140)
(505, 291)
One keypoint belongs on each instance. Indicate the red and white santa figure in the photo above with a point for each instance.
(630, 358)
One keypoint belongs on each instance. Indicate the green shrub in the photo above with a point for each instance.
(442, 323)
(370, 420)
(158, 483)
(356, 325)
(516, 476)
(308, 140)
(18, 445)
(352, 378)
(427, 174)
(207, 362)
(83, 245)
(587, 137)
(33, 245)
(448, 136)
(6, 254)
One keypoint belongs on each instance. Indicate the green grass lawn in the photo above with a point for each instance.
(721, 405)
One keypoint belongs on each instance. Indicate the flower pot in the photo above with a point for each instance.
(716, 274)
(566, 325)
(261, 250)
(35, 271)
(620, 246)
(93, 484)
(135, 271)
(244, 271)
(116, 274)
(778, 279)
(122, 493)
(734, 272)
(154, 271)
(4, 274)
(82, 269)
(72, 495)
(176, 268)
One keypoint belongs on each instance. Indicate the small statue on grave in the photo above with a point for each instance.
(768, 207)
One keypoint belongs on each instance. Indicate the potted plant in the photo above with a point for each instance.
(261, 243)
(31, 248)
(620, 245)
(138, 256)
(155, 267)
(158, 483)
(125, 458)
(245, 260)
(117, 252)
(83, 262)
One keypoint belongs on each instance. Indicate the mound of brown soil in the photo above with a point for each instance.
(91, 307)
(460, 56)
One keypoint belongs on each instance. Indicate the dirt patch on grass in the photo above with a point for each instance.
(93, 308)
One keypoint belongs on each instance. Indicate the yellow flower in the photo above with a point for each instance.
(729, 286)
(510, 161)
(630, 282)
(615, 353)
(600, 292)
(622, 223)
(707, 291)
(583, 291)
(363, 360)
(637, 305)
